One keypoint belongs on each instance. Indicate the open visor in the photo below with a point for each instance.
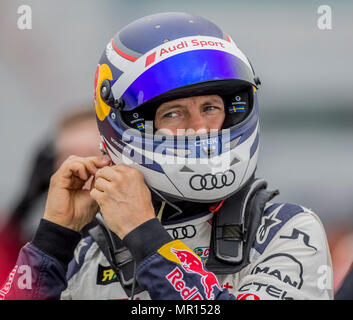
(185, 69)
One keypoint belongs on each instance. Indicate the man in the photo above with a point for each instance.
(183, 215)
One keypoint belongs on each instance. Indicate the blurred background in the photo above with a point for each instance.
(306, 97)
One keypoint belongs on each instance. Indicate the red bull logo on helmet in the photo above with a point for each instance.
(102, 72)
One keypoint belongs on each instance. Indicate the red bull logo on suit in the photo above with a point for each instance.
(178, 252)
(192, 263)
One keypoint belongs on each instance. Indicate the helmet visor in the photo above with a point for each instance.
(182, 70)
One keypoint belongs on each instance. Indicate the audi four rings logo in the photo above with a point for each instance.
(179, 233)
(211, 181)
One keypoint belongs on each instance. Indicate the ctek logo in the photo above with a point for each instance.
(271, 290)
(185, 45)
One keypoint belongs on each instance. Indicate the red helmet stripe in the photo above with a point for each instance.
(123, 54)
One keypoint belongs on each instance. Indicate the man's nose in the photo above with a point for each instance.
(197, 123)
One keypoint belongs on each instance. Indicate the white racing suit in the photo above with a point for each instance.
(289, 259)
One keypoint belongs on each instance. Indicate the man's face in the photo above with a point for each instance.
(199, 114)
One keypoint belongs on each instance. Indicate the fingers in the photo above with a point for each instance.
(108, 180)
(76, 171)
(89, 183)
(101, 184)
(106, 173)
(96, 195)
(119, 179)
(83, 167)
(92, 164)
(118, 173)
(123, 198)
(98, 162)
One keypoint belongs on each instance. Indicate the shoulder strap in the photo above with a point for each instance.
(234, 228)
(118, 256)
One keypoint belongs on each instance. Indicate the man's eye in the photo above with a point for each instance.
(210, 108)
(170, 115)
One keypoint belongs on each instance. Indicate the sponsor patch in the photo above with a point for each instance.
(265, 288)
(179, 253)
(282, 266)
(106, 275)
(175, 278)
(182, 232)
(202, 252)
(296, 234)
(274, 218)
(267, 223)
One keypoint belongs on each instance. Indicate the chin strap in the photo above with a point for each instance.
(234, 227)
(164, 201)
(160, 212)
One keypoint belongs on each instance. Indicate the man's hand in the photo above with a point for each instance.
(68, 203)
(123, 197)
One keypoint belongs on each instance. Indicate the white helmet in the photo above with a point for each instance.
(168, 56)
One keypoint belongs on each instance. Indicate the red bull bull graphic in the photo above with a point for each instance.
(193, 264)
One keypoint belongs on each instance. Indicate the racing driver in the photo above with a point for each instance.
(181, 214)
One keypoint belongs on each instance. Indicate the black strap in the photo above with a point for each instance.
(234, 228)
(118, 256)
